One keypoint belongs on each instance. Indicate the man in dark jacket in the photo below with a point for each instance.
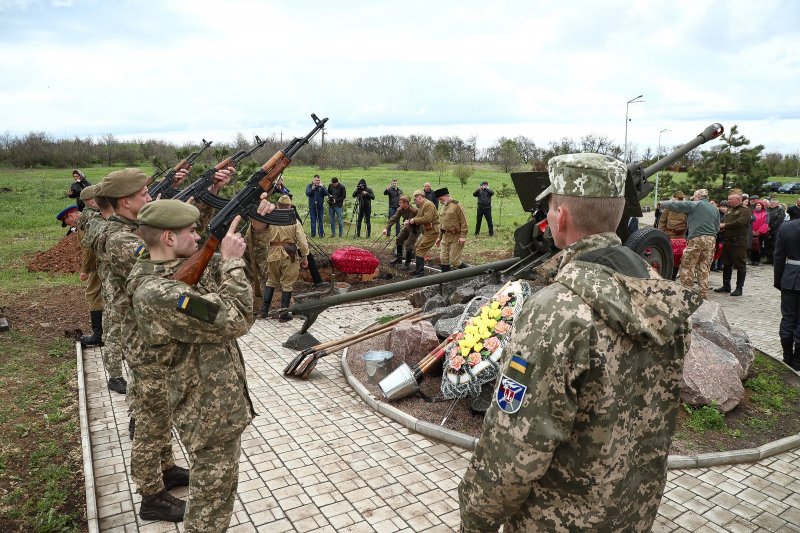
(430, 195)
(364, 197)
(393, 192)
(484, 195)
(735, 226)
(316, 205)
(775, 217)
(336, 196)
(787, 280)
(79, 182)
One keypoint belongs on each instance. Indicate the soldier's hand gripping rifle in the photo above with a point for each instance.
(245, 204)
(199, 188)
(164, 187)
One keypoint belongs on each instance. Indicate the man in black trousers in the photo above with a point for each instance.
(484, 195)
(787, 280)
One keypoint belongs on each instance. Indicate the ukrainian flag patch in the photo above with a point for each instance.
(139, 250)
(519, 364)
(183, 301)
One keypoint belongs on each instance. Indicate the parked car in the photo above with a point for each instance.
(789, 188)
(771, 186)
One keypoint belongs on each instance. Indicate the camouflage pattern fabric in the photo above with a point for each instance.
(674, 224)
(696, 261)
(588, 175)
(426, 216)
(95, 239)
(94, 299)
(205, 371)
(578, 435)
(453, 218)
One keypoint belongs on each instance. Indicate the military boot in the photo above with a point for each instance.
(96, 338)
(266, 301)
(794, 364)
(445, 268)
(175, 476)
(132, 427)
(286, 298)
(399, 259)
(727, 273)
(118, 385)
(788, 354)
(741, 274)
(420, 270)
(162, 506)
(407, 263)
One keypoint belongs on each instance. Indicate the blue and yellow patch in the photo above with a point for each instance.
(139, 250)
(183, 301)
(510, 394)
(519, 364)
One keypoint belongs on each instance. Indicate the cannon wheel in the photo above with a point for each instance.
(654, 246)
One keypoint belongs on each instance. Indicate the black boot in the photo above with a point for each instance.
(788, 346)
(714, 267)
(118, 385)
(399, 259)
(795, 362)
(445, 268)
(740, 275)
(96, 338)
(266, 300)
(420, 270)
(727, 273)
(286, 298)
(176, 476)
(162, 506)
(407, 261)
(131, 427)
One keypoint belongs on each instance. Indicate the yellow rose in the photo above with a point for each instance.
(485, 309)
(485, 334)
(495, 305)
(478, 347)
(465, 351)
(495, 314)
(491, 324)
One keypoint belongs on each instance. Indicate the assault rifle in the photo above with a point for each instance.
(245, 204)
(155, 176)
(199, 188)
(165, 185)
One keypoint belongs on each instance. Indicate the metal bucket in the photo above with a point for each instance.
(399, 384)
(341, 287)
(378, 364)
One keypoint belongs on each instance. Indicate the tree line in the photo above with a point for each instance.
(732, 161)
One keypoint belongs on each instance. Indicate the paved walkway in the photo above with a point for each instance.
(318, 459)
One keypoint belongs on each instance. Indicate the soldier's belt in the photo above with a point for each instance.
(452, 231)
(276, 244)
(428, 226)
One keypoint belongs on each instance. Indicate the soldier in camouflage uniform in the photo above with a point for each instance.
(282, 251)
(453, 232)
(735, 227)
(407, 237)
(701, 239)
(427, 219)
(192, 332)
(153, 467)
(578, 434)
(674, 223)
(94, 298)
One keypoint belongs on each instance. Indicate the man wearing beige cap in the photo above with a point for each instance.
(703, 226)
(578, 433)
(88, 274)
(427, 222)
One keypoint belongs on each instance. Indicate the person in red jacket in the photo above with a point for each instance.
(760, 230)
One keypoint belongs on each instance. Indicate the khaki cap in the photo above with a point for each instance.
(122, 183)
(419, 192)
(87, 193)
(285, 199)
(168, 214)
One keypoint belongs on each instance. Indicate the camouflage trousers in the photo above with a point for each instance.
(451, 250)
(94, 298)
(152, 442)
(213, 478)
(112, 351)
(696, 261)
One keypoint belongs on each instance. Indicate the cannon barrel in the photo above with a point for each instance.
(711, 132)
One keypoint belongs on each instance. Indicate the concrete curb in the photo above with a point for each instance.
(92, 520)
(468, 442)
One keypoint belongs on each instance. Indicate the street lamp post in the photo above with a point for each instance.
(658, 156)
(631, 101)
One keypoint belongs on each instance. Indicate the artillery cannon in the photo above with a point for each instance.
(532, 245)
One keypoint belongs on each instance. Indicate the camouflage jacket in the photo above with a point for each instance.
(578, 435)
(193, 332)
(88, 259)
(95, 241)
(673, 224)
(454, 219)
(123, 246)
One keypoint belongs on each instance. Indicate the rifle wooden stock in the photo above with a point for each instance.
(192, 269)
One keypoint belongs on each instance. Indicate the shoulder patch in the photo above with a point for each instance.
(510, 394)
(197, 307)
(139, 250)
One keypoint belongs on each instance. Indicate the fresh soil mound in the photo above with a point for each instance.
(64, 257)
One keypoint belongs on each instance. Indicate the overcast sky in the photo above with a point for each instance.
(185, 69)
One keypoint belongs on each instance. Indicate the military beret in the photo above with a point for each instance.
(441, 192)
(285, 199)
(168, 214)
(122, 183)
(419, 192)
(589, 175)
(64, 213)
(87, 193)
